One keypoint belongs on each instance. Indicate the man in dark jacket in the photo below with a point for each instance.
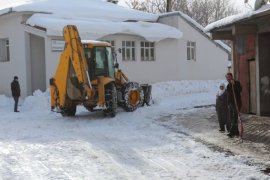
(16, 92)
(234, 103)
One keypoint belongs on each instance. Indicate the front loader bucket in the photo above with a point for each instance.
(147, 89)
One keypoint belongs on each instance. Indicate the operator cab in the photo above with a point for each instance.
(99, 58)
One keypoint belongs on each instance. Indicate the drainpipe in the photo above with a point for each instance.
(169, 6)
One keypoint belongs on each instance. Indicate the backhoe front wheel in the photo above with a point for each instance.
(110, 100)
(133, 96)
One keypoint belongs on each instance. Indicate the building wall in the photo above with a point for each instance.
(12, 29)
(163, 68)
(211, 61)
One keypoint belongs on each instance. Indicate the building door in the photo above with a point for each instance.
(264, 73)
(252, 87)
(37, 60)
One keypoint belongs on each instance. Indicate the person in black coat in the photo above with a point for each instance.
(16, 92)
(234, 103)
(222, 107)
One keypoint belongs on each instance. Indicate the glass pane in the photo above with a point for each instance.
(8, 54)
(142, 54)
(152, 54)
(133, 43)
(151, 44)
(123, 43)
(192, 54)
(128, 54)
(188, 54)
(147, 54)
(133, 54)
(142, 44)
(100, 58)
(147, 44)
(110, 61)
(128, 44)
(123, 53)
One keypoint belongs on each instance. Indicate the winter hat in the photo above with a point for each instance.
(222, 84)
(15, 77)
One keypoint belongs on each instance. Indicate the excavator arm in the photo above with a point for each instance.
(72, 56)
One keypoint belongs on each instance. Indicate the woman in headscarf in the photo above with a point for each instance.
(222, 107)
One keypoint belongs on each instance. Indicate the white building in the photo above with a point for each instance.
(154, 47)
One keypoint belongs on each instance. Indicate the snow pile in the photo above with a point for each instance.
(5, 101)
(39, 101)
(180, 88)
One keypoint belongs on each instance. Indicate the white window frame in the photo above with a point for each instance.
(4, 50)
(191, 50)
(128, 51)
(147, 51)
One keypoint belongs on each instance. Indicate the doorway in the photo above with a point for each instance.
(264, 73)
(37, 61)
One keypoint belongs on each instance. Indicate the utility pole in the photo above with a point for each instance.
(169, 6)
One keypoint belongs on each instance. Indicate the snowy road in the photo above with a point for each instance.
(38, 144)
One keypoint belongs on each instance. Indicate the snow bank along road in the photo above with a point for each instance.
(39, 144)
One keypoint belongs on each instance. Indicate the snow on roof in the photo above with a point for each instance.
(98, 28)
(94, 18)
(78, 8)
(198, 26)
(235, 18)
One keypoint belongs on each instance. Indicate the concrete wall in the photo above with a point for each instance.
(12, 29)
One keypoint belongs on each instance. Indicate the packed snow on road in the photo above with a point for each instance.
(39, 144)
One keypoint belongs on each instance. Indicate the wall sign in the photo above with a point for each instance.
(58, 45)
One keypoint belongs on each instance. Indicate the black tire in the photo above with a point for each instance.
(132, 103)
(69, 111)
(110, 100)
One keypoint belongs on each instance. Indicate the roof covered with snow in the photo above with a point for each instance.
(94, 18)
(265, 9)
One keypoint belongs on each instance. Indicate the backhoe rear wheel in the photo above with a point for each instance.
(133, 96)
(110, 100)
(69, 110)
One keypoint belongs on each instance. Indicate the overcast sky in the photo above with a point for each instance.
(239, 3)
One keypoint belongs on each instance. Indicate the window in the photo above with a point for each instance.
(147, 51)
(191, 51)
(128, 50)
(4, 50)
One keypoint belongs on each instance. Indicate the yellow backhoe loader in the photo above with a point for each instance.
(87, 74)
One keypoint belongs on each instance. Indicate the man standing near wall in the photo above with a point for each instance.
(234, 103)
(16, 92)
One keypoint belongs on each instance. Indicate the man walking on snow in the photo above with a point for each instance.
(16, 92)
(234, 103)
